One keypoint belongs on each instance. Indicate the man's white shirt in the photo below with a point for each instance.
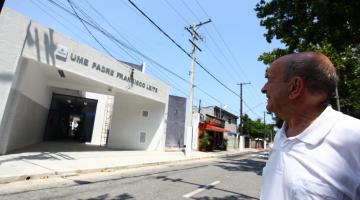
(322, 162)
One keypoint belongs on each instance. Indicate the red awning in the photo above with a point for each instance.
(215, 128)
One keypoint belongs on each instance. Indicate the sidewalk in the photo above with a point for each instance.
(42, 164)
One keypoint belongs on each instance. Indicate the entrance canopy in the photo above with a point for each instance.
(214, 128)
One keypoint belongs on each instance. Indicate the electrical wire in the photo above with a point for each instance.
(177, 12)
(232, 75)
(162, 31)
(98, 26)
(48, 11)
(206, 70)
(82, 22)
(119, 42)
(115, 29)
(226, 45)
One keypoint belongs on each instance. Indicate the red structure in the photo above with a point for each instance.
(211, 134)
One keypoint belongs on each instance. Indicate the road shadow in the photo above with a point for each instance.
(60, 146)
(230, 197)
(51, 151)
(123, 196)
(39, 156)
(78, 181)
(251, 165)
(235, 195)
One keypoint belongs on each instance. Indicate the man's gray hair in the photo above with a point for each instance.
(317, 71)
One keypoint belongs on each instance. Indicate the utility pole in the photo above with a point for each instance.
(189, 126)
(241, 109)
(337, 92)
(337, 97)
(264, 126)
(264, 142)
(199, 106)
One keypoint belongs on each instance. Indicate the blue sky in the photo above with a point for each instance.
(232, 42)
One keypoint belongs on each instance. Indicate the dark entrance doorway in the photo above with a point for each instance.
(70, 118)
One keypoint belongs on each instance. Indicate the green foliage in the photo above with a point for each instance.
(205, 141)
(256, 128)
(304, 23)
(329, 26)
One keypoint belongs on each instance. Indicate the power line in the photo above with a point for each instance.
(117, 41)
(207, 71)
(192, 12)
(163, 32)
(226, 45)
(188, 53)
(98, 26)
(177, 12)
(37, 4)
(220, 36)
(108, 23)
(228, 49)
(81, 20)
(220, 52)
(126, 46)
(212, 39)
(167, 80)
(213, 54)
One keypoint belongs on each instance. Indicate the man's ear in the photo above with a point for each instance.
(296, 87)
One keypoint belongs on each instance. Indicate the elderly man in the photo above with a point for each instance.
(316, 153)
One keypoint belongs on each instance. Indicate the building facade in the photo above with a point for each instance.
(53, 88)
(219, 126)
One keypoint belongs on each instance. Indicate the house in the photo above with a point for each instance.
(219, 125)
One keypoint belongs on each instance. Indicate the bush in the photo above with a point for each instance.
(205, 141)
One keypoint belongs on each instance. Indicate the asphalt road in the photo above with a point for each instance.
(212, 179)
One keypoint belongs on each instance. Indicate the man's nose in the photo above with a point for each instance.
(263, 89)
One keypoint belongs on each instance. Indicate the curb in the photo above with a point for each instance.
(70, 173)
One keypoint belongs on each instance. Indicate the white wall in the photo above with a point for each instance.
(43, 42)
(30, 108)
(33, 84)
(12, 37)
(99, 116)
(26, 85)
(128, 122)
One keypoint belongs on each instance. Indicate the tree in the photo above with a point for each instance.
(328, 26)
(246, 124)
(256, 128)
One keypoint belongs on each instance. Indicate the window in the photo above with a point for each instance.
(145, 113)
(142, 137)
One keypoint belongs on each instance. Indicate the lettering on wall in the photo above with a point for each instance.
(62, 54)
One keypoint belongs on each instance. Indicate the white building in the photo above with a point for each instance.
(45, 80)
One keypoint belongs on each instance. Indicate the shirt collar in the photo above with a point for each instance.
(318, 129)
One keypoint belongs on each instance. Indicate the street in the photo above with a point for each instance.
(212, 179)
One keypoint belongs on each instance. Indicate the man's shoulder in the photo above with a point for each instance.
(346, 131)
(349, 122)
(342, 120)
